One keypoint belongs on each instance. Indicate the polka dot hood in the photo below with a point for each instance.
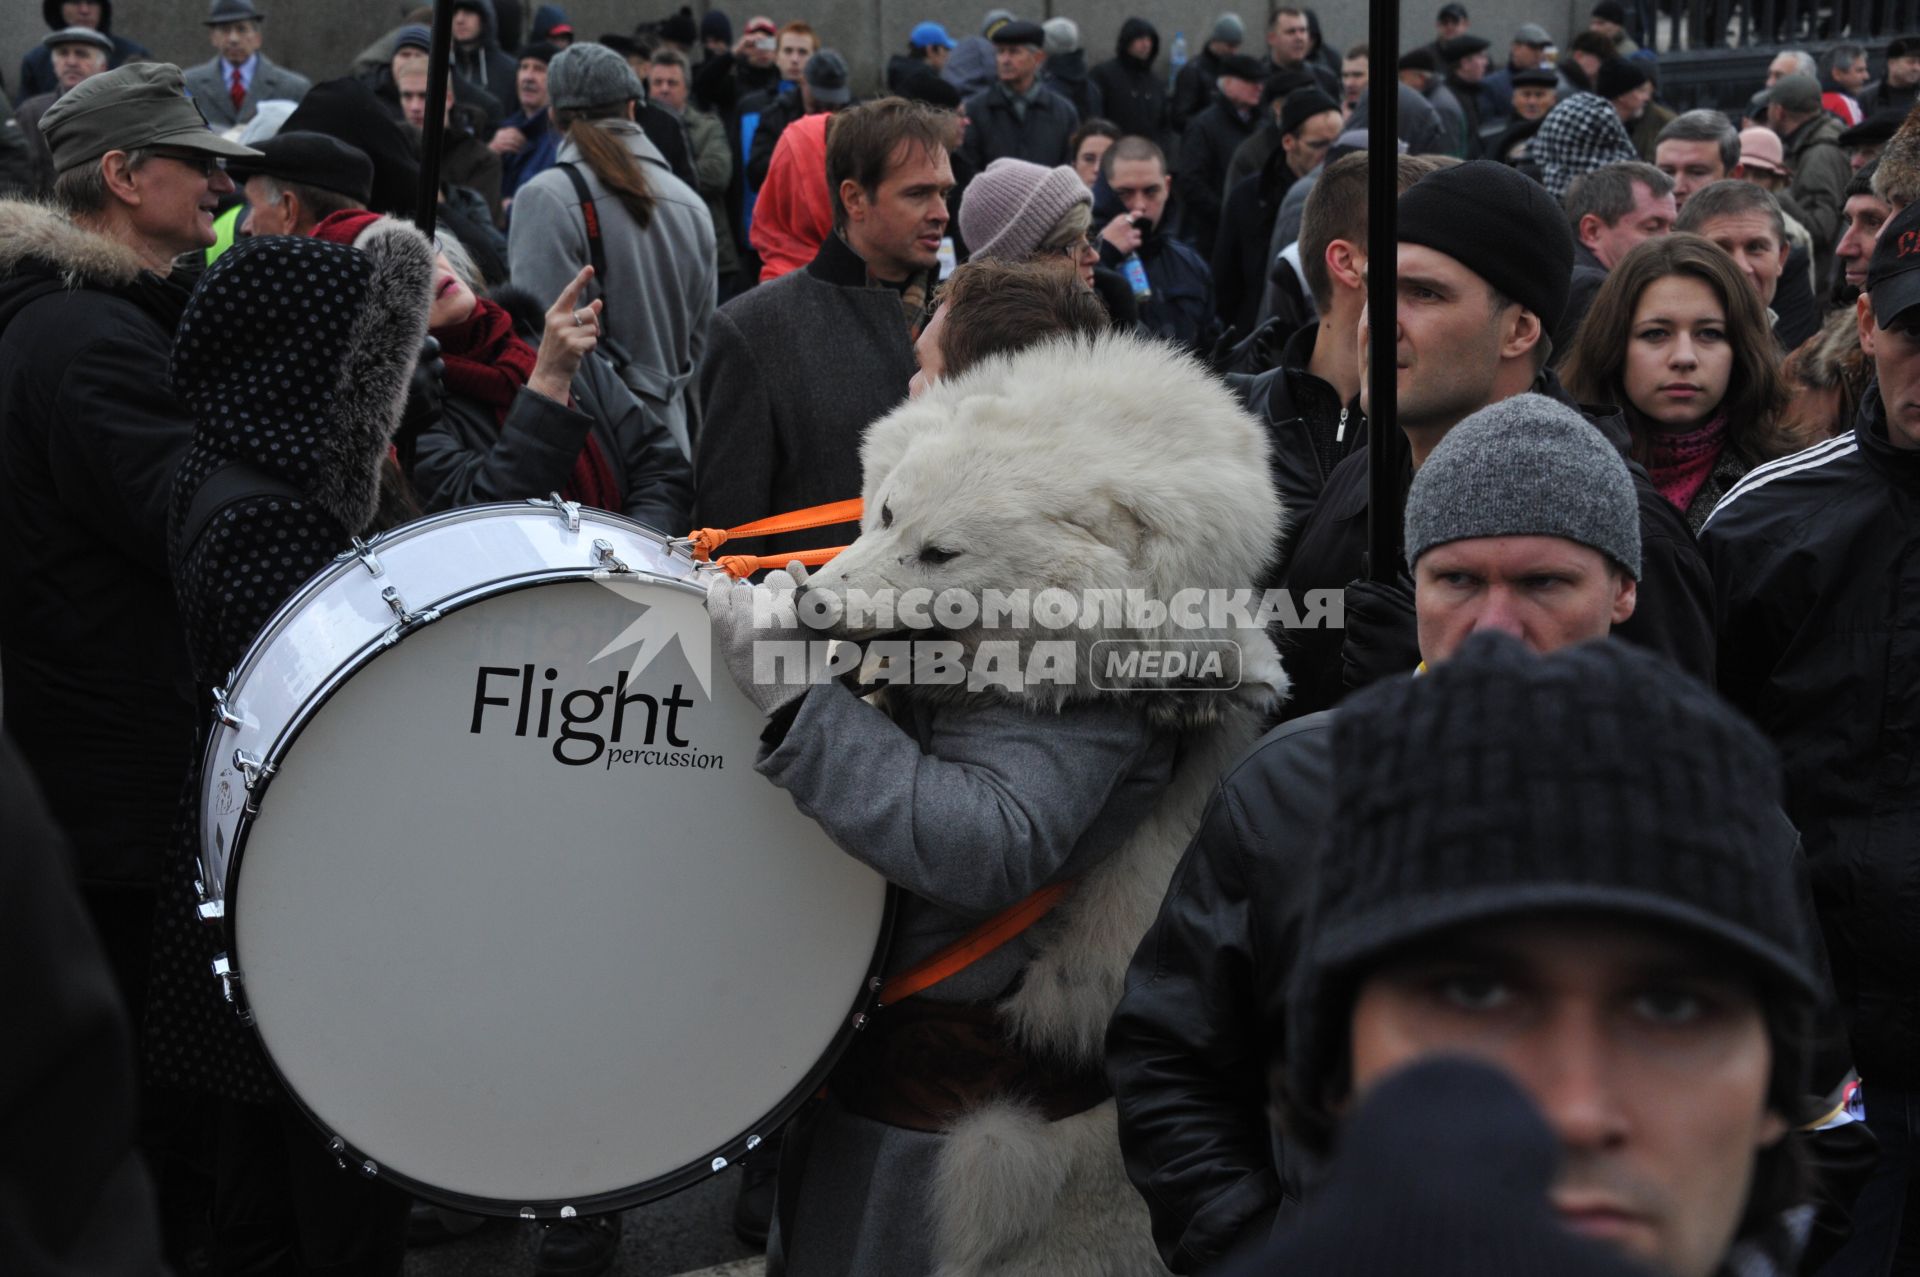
(295, 355)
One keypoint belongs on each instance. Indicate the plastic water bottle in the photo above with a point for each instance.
(1176, 58)
(1136, 272)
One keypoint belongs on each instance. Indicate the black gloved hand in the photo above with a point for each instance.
(1383, 639)
(426, 400)
(1220, 354)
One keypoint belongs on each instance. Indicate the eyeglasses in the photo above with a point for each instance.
(1077, 248)
(199, 161)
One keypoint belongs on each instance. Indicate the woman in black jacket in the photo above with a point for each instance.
(295, 357)
(523, 422)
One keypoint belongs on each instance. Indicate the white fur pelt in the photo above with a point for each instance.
(1118, 464)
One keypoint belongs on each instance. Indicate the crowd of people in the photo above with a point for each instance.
(1640, 834)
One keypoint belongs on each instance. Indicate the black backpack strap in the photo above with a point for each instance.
(231, 484)
(596, 250)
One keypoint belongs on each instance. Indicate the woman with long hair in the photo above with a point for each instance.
(1677, 338)
(611, 201)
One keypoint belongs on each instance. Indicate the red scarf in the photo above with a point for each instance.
(488, 363)
(1679, 462)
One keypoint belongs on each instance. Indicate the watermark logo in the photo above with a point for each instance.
(1174, 665)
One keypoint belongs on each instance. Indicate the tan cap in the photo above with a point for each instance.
(144, 104)
(1760, 148)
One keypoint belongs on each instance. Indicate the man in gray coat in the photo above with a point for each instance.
(797, 368)
(231, 87)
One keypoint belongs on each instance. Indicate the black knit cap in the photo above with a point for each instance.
(1443, 1171)
(1500, 225)
(1617, 76)
(1302, 105)
(1597, 779)
(1420, 59)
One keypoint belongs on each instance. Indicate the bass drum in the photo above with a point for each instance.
(513, 916)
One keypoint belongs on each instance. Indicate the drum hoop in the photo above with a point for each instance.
(740, 1145)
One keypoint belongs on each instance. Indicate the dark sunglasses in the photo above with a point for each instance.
(202, 163)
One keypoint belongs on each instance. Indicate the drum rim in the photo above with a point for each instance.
(344, 563)
(349, 1156)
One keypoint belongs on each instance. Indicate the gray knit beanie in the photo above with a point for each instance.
(1228, 27)
(1063, 36)
(585, 75)
(1526, 466)
(1011, 208)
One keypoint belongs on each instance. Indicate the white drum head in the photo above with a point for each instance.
(508, 981)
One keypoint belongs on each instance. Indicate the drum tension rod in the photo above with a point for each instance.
(233, 987)
(405, 621)
(567, 510)
(363, 552)
(220, 711)
(253, 771)
(603, 555)
(209, 909)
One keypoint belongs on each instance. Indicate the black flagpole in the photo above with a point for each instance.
(433, 136)
(1383, 194)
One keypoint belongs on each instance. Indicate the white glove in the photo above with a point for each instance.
(733, 606)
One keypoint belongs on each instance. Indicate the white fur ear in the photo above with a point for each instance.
(1113, 524)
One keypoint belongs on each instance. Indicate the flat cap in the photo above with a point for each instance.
(1798, 93)
(143, 104)
(1020, 32)
(77, 35)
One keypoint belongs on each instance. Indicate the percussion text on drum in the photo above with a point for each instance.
(580, 707)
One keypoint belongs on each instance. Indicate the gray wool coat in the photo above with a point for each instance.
(660, 289)
(970, 808)
(798, 368)
(207, 86)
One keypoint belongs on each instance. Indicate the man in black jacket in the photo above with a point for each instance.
(1816, 564)
(1132, 94)
(1193, 85)
(91, 433)
(1308, 124)
(1130, 206)
(1311, 400)
(1018, 116)
(1203, 1013)
(1485, 257)
(1206, 151)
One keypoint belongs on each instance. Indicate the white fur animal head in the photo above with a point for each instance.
(1116, 464)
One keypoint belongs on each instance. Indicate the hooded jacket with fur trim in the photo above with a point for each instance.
(295, 357)
(1043, 470)
(90, 435)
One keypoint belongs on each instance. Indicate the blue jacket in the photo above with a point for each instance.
(535, 158)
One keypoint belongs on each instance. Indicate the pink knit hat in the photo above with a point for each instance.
(1011, 208)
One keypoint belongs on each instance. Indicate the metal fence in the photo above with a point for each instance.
(1728, 24)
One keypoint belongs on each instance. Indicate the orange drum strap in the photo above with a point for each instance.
(707, 540)
(973, 946)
